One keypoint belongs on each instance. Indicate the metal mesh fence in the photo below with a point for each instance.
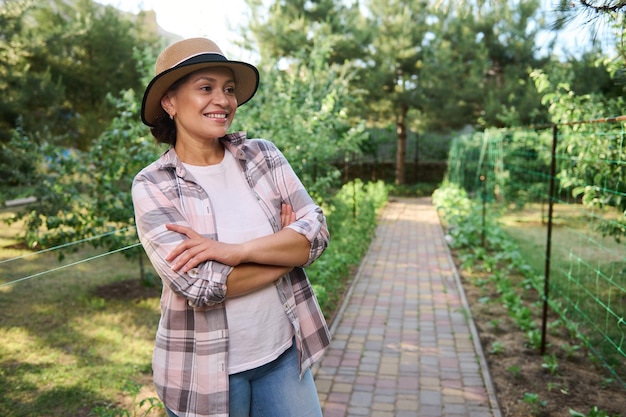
(560, 193)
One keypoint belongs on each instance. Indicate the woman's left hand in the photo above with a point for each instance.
(198, 249)
(287, 215)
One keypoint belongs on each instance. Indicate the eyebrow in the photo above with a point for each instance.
(211, 79)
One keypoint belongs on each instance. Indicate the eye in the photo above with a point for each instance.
(230, 90)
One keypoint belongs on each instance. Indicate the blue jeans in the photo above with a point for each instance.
(273, 390)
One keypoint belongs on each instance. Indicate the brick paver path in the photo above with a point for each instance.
(404, 343)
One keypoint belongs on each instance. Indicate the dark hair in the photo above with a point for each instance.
(164, 130)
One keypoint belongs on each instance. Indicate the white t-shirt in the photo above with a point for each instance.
(258, 327)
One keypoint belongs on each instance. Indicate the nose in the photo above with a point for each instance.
(220, 97)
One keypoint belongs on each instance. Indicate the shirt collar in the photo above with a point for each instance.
(233, 142)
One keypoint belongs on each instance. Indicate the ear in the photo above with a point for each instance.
(168, 105)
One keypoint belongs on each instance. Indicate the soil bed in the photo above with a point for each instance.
(517, 369)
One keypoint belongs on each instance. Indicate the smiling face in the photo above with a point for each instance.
(203, 105)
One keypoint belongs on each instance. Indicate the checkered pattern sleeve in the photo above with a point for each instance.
(157, 197)
(270, 174)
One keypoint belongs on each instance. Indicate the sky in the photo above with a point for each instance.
(217, 20)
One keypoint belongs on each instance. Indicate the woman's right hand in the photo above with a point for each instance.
(197, 249)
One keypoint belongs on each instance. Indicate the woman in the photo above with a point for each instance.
(228, 227)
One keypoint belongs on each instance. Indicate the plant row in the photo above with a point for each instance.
(490, 256)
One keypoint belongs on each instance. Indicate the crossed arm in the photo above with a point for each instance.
(257, 263)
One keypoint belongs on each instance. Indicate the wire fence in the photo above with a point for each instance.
(6, 280)
(560, 192)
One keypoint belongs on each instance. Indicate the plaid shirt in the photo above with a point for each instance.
(191, 347)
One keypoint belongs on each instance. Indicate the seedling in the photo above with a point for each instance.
(524, 318)
(496, 347)
(534, 338)
(536, 403)
(495, 323)
(515, 370)
(550, 363)
(594, 412)
(555, 385)
(570, 350)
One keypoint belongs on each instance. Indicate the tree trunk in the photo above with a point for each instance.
(401, 152)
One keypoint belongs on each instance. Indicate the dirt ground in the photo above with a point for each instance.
(577, 383)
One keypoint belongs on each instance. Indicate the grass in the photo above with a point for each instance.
(570, 232)
(65, 345)
(576, 248)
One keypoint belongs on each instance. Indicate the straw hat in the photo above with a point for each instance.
(183, 58)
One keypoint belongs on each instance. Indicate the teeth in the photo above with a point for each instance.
(217, 115)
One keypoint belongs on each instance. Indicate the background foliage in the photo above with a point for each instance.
(334, 76)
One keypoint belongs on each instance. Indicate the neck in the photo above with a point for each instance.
(203, 153)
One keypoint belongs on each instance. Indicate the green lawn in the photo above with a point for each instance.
(72, 339)
(573, 239)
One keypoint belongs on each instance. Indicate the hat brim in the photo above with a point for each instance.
(246, 78)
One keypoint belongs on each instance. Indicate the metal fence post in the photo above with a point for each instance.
(483, 179)
(546, 280)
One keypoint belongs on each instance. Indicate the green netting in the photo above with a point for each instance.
(511, 170)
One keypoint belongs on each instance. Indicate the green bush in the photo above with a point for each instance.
(351, 215)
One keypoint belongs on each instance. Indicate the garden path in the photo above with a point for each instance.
(404, 343)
